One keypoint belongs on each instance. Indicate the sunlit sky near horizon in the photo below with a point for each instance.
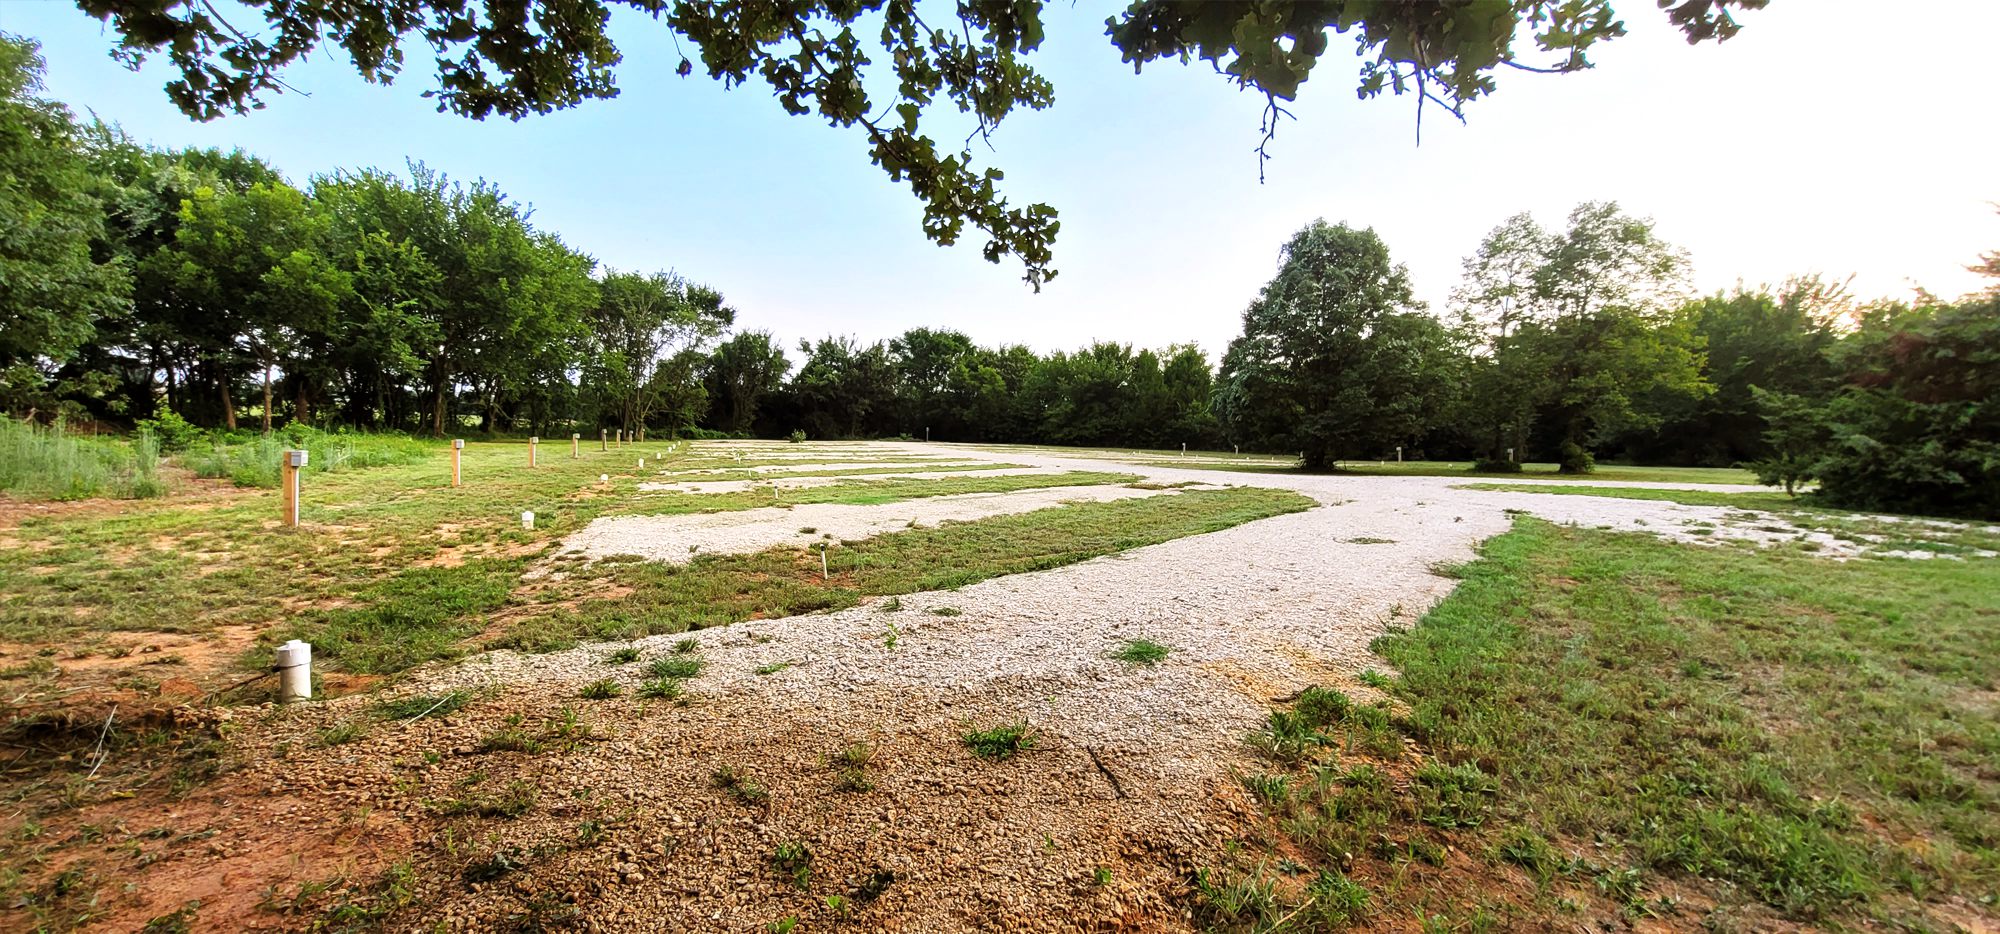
(1831, 136)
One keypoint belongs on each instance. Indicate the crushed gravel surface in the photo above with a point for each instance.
(703, 487)
(1131, 772)
(677, 539)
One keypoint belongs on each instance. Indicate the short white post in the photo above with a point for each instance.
(1399, 454)
(604, 478)
(528, 521)
(295, 660)
(642, 434)
(642, 463)
(1184, 449)
(533, 443)
(822, 563)
(289, 480)
(1510, 455)
(574, 451)
(603, 439)
(457, 449)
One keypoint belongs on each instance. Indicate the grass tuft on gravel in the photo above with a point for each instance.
(1000, 742)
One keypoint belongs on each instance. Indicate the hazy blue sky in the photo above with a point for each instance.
(1830, 136)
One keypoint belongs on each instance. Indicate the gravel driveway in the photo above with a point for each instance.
(1133, 770)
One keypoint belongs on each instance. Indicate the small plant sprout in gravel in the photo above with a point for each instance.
(678, 666)
(624, 656)
(1141, 652)
(1000, 742)
(601, 689)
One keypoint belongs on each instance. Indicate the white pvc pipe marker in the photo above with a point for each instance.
(528, 521)
(295, 664)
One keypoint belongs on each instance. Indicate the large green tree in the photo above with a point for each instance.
(1582, 334)
(1336, 359)
(741, 373)
(519, 57)
(53, 287)
(640, 325)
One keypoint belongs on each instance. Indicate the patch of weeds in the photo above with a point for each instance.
(687, 646)
(784, 925)
(946, 611)
(1531, 851)
(344, 732)
(891, 605)
(851, 768)
(733, 780)
(1365, 540)
(510, 737)
(1375, 679)
(1274, 790)
(1241, 899)
(180, 921)
(1287, 737)
(1141, 652)
(516, 799)
(890, 638)
(773, 668)
(1000, 742)
(1451, 796)
(423, 705)
(601, 689)
(1100, 876)
(662, 689)
(680, 666)
(501, 862)
(569, 729)
(1337, 901)
(624, 656)
(793, 859)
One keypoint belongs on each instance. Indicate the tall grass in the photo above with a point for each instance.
(253, 461)
(48, 462)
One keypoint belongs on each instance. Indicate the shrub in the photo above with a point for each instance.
(798, 436)
(175, 433)
(1496, 465)
(1572, 458)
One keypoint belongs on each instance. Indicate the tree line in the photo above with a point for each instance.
(1573, 343)
(201, 285)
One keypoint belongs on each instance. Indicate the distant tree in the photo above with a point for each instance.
(1336, 360)
(515, 58)
(926, 360)
(740, 373)
(640, 324)
(1590, 344)
(844, 388)
(52, 288)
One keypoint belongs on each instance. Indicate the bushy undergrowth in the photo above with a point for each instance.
(49, 462)
(252, 460)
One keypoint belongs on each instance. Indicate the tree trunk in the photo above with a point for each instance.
(301, 403)
(228, 404)
(267, 397)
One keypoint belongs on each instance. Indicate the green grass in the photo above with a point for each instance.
(52, 463)
(159, 565)
(1624, 472)
(718, 589)
(1141, 652)
(253, 461)
(1627, 720)
(1000, 742)
(1685, 497)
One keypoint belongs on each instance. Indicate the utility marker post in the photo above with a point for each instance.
(288, 485)
(457, 449)
(573, 450)
(603, 439)
(642, 434)
(1399, 454)
(532, 444)
(294, 666)
(1510, 455)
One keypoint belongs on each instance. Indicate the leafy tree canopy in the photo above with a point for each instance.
(519, 57)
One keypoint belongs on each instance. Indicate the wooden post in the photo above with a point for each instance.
(457, 449)
(621, 437)
(573, 452)
(288, 483)
(532, 443)
(603, 439)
